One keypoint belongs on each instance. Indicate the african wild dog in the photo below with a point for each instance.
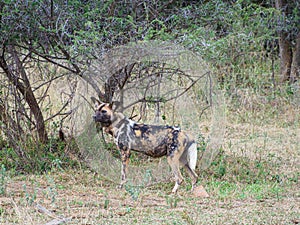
(152, 140)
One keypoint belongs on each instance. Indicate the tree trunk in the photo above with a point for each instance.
(285, 48)
(286, 56)
(295, 72)
(26, 90)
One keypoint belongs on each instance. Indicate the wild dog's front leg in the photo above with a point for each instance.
(125, 154)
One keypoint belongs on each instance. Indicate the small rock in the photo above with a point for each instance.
(199, 191)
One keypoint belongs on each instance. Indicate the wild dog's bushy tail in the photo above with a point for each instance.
(192, 156)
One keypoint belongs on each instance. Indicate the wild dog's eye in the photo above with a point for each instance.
(103, 111)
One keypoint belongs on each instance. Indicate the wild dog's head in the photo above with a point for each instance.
(103, 113)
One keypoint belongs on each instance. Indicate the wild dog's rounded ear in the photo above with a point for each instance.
(96, 101)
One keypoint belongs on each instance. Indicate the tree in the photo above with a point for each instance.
(289, 39)
(41, 35)
(34, 33)
(65, 34)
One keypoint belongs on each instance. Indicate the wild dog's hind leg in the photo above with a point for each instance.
(174, 164)
(192, 174)
(191, 161)
(125, 154)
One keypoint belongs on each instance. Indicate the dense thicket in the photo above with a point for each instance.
(245, 40)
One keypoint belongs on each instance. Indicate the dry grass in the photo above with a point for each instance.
(84, 199)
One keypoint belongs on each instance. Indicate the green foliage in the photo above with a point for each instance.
(30, 197)
(201, 143)
(241, 169)
(38, 158)
(51, 190)
(233, 37)
(7, 157)
(172, 200)
(222, 32)
(45, 19)
(208, 27)
(133, 191)
(3, 175)
(106, 203)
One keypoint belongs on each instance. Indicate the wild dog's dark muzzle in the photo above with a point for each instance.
(101, 118)
(97, 118)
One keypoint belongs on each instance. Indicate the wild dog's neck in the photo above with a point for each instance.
(116, 119)
(119, 120)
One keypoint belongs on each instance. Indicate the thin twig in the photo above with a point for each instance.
(56, 219)
(165, 100)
